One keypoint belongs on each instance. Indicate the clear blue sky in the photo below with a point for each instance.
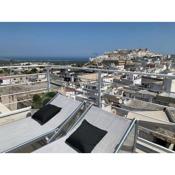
(83, 39)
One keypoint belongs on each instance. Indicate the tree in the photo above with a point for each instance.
(41, 100)
(47, 97)
(33, 71)
(36, 102)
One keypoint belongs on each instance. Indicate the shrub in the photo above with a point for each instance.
(37, 101)
(41, 100)
(50, 94)
(47, 97)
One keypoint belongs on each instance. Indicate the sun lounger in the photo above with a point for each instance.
(25, 131)
(118, 129)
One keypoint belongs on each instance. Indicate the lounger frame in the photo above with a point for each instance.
(59, 130)
(45, 136)
(133, 124)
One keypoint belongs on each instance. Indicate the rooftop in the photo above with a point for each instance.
(142, 105)
(135, 109)
(150, 116)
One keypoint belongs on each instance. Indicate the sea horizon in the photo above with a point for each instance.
(42, 58)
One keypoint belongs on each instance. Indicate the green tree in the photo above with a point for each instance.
(33, 71)
(47, 97)
(41, 100)
(37, 101)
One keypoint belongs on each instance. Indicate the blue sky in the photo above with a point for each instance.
(83, 39)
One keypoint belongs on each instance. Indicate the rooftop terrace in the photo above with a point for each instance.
(88, 85)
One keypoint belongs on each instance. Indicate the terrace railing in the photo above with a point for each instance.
(82, 83)
(14, 87)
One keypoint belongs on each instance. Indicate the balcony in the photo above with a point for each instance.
(149, 98)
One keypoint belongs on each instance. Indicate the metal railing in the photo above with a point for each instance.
(49, 68)
(147, 146)
(56, 81)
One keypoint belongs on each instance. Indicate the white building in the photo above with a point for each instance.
(169, 85)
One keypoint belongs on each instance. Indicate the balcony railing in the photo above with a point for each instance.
(105, 88)
(51, 80)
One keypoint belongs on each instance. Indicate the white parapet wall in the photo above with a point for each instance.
(12, 116)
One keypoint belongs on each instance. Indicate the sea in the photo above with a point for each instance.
(45, 59)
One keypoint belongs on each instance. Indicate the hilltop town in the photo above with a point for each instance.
(134, 60)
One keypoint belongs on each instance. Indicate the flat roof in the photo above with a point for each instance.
(151, 116)
(90, 76)
(143, 105)
(146, 92)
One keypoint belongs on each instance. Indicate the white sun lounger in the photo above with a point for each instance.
(117, 128)
(22, 132)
